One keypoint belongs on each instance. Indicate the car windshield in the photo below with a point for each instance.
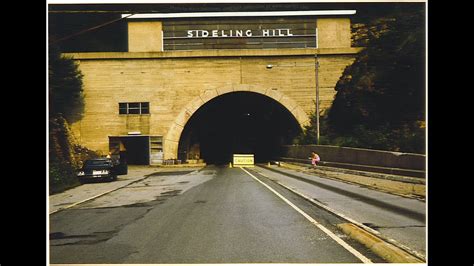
(97, 163)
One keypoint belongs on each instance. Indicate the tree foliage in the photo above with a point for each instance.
(65, 87)
(386, 82)
(380, 99)
(65, 105)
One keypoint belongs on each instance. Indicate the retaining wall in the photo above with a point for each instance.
(358, 156)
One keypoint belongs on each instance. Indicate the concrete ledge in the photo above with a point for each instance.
(385, 184)
(385, 250)
(214, 53)
(398, 178)
(378, 169)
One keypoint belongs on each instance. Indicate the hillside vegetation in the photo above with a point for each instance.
(380, 100)
(65, 104)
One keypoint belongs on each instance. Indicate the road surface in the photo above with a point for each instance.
(214, 215)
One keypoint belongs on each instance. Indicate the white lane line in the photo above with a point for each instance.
(361, 225)
(341, 242)
(85, 200)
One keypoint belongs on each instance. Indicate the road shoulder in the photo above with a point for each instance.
(407, 188)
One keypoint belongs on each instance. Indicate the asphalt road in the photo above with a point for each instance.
(226, 217)
(395, 217)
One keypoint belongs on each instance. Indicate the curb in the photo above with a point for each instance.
(104, 193)
(411, 173)
(392, 177)
(385, 250)
(96, 196)
(325, 174)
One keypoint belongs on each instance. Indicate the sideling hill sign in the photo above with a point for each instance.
(239, 34)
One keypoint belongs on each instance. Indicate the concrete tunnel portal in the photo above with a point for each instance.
(237, 122)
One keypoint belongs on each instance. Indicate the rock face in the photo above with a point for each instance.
(363, 32)
(65, 156)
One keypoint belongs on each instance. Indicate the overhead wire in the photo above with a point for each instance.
(89, 29)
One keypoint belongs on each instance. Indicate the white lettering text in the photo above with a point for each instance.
(238, 33)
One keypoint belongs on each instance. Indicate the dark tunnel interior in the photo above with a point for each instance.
(238, 122)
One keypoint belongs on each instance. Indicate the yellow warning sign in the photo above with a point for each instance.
(246, 160)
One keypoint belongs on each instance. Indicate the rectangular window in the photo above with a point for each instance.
(145, 108)
(123, 108)
(134, 108)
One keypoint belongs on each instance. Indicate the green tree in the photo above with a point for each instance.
(380, 99)
(65, 87)
(386, 82)
(65, 105)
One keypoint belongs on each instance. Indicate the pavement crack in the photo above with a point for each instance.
(404, 226)
(61, 235)
(376, 227)
(324, 203)
(89, 239)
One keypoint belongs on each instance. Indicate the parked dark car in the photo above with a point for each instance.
(101, 169)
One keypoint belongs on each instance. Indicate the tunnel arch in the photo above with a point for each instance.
(176, 129)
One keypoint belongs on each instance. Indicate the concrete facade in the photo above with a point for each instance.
(334, 32)
(177, 83)
(145, 36)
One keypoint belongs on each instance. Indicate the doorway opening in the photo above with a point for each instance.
(135, 150)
